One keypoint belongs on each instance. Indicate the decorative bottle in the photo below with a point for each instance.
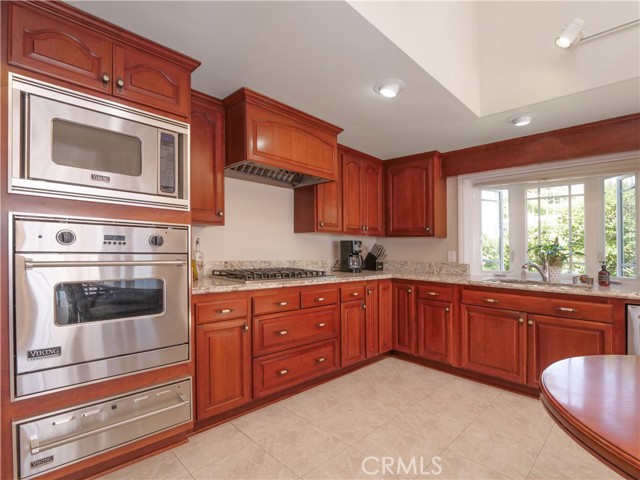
(604, 277)
(199, 258)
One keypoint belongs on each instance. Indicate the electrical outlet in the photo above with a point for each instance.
(451, 256)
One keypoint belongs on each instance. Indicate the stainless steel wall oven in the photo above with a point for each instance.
(94, 299)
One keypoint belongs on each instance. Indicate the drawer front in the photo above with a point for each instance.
(319, 297)
(273, 333)
(284, 370)
(277, 302)
(545, 306)
(435, 292)
(223, 309)
(351, 293)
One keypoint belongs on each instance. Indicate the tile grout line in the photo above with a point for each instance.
(540, 452)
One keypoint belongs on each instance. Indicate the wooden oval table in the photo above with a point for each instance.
(596, 400)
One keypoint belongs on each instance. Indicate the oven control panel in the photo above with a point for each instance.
(62, 235)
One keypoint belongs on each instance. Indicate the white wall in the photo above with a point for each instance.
(259, 226)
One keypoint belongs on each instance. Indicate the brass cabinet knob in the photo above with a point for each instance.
(447, 309)
(220, 213)
(245, 327)
(364, 307)
(120, 83)
(530, 322)
(105, 78)
(427, 229)
(369, 292)
(322, 224)
(521, 320)
(409, 291)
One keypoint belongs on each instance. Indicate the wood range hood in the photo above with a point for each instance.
(269, 142)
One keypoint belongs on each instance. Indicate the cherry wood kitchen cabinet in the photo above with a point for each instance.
(515, 337)
(362, 193)
(318, 208)
(435, 322)
(416, 196)
(403, 317)
(207, 160)
(551, 339)
(223, 354)
(65, 44)
(353, 318)
(385, 316)
(296, 335)
(494, 342)
(372, 323)
(264, 131)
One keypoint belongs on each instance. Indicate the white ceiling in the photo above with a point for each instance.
(468, 66)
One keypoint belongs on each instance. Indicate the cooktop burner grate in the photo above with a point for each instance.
(265, 274)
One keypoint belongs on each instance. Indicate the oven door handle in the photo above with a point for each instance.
(37, 448)
(100, 263)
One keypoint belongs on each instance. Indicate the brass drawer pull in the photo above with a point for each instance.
(321, 324)
(282, 332)
(226, 310)
(320, 360)
(284, 371)
(354, 294)
(567, 309)
(490, 300)
(320, 299)
(282, 304)
(433, 294)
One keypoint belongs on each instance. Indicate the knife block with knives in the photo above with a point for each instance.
(373, 260)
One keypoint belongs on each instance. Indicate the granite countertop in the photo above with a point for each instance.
(628, 290)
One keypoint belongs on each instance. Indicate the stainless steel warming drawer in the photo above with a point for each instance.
(55, 440)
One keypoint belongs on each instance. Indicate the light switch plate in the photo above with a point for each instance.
(451, 256)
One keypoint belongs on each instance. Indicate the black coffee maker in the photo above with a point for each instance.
(351, 256)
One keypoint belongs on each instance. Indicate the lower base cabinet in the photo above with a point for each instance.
(517, 345)
(223, 366)
(353, 332)
(276, 372)
(552, 339)
(403, 318)
(434, 330)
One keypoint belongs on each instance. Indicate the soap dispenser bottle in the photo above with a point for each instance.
(199, 258)
(604, 277)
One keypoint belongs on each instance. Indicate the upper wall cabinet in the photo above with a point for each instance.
(266, 132)
(362, 193)
(63, 43)
(318, 208)
(207, 160)
(416, 196)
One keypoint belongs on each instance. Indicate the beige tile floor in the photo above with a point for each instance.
(453, 428)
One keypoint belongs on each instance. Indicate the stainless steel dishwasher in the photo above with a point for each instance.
(633, 329)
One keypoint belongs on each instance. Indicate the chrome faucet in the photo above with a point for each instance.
(542, 270)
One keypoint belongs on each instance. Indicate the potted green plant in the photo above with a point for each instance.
(554, 253)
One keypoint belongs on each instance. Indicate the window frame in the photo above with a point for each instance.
(469, 201)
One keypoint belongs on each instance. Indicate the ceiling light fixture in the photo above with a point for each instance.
(574, 34)
(521, 120)
(389, 88)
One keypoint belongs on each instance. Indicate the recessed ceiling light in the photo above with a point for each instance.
(390, 87)
(521, 120)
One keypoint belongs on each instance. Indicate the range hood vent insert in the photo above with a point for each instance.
(256, 172)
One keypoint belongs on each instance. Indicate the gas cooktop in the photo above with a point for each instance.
(248, 275)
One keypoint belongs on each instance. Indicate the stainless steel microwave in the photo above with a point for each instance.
(77, 146)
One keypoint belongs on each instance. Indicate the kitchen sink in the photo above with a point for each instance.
(536, 283)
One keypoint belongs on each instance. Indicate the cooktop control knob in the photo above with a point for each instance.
(65, 237)
(156, 240)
